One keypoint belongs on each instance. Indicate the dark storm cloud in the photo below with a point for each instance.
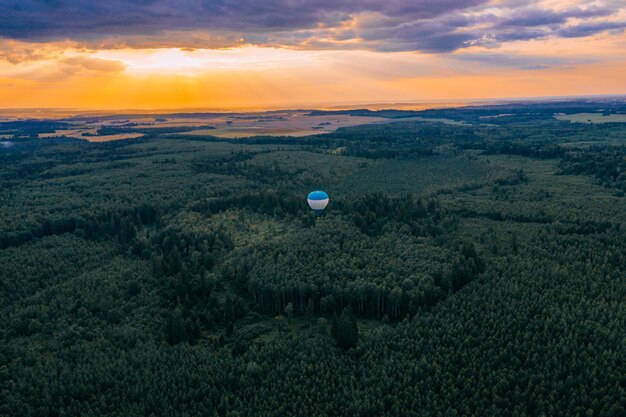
(388, 25)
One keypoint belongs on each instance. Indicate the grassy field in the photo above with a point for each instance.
(593, 118)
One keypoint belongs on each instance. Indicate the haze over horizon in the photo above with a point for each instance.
(8, 113)
(157, 54)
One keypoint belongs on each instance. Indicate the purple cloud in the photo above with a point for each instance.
(526, 62)
(32, 19)
(532, 17)
(390, 25)
(588, 29)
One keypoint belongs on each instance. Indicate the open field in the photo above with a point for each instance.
(593, 118)
(228, 125)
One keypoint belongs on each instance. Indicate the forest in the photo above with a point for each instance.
(475, 268)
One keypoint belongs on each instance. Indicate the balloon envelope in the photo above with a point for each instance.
(318, 200)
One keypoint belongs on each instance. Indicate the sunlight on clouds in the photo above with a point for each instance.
(73, 74)
(202, 61)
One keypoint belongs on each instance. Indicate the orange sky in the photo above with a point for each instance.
(71, 73)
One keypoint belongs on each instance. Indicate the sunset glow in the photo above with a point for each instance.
(357, 53)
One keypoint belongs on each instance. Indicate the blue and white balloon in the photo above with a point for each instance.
(318, 200)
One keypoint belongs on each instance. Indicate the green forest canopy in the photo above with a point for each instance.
(458, 270)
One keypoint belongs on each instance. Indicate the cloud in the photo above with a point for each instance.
(51, 61)
(16, 52)
(95, 64)
(588, 29)
(523, 62)
(44, 19)
(533, 16)
(390, 25)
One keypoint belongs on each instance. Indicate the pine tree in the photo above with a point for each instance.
(229, 317)
(175, 327)
(345, 330)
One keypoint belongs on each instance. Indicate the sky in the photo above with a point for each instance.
(237, 54)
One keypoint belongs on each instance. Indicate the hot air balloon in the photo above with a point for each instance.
(318, 200)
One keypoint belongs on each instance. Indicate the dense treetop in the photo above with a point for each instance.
(471, 269)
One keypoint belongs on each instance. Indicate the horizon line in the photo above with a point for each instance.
(337, 106)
